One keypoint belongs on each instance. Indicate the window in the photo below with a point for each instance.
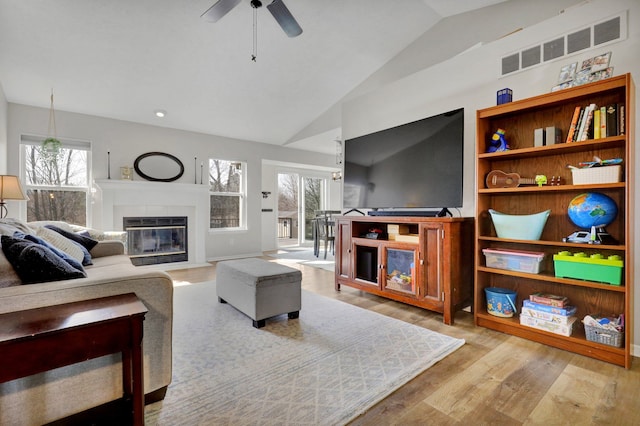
(56, 180)
(227, 193)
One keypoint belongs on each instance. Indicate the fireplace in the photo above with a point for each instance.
(154, 240)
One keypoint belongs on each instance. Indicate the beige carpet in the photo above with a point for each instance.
(325, 368)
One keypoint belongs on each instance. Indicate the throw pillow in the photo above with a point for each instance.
(9, 225)
(61, 243)
(85, 243)
(35, 263)
(64, 256)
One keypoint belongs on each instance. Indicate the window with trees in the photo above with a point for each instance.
(57, 179)
(227, 194)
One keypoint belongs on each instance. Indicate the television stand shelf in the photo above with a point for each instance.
(421, 261)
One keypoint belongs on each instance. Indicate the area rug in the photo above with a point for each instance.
(305, 256)
(325, 368)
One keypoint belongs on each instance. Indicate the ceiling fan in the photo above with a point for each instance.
(277, 8)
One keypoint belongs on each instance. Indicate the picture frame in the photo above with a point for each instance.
(586, 64)
(567, 73)
(601, 62)
(582, 77)
(602, 74)
(561, 86)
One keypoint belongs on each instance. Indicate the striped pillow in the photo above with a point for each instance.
(61, 243)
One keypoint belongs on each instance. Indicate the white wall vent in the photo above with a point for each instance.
(610, 30)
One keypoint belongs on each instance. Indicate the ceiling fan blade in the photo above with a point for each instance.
(284, 18)
(219, 9)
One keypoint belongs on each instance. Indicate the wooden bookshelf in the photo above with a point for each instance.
(519, 119)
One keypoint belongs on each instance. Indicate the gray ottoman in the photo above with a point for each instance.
(259, 289)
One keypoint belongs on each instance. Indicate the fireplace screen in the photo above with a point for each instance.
(153, 240)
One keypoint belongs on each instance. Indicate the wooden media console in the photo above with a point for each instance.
(421, 261)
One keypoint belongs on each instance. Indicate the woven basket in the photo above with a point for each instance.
(604, 336)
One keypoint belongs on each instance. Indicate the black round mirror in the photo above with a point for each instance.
(159, 167)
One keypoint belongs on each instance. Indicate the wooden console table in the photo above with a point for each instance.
(38, 340)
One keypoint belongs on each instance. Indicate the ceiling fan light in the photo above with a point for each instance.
(160, 113)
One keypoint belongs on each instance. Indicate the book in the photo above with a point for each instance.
(534, 313)
(552, 327)
(586, 123)
(612, 120)
(596, 123)
(574, 122)
(566, 311)
(621, 128)
(549, 299)
(603, 122)
(580, 127)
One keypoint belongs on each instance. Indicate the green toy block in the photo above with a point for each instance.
(591, 268)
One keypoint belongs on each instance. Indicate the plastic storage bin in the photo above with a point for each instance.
(605, 174)
(514, 260)
(592, 268)
(519, 226)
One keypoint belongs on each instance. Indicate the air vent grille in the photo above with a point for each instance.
(610, 30)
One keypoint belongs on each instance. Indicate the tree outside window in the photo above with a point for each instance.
(226, 194)
(57, 181)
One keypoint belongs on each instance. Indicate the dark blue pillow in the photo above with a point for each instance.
(35, 263)
(85, 243)
(64, 256)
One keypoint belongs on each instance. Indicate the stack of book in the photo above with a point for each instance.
(595, 122)
(548, 312)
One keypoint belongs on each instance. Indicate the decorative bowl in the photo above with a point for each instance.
(519, 226)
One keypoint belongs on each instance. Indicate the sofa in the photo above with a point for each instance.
(60, 393)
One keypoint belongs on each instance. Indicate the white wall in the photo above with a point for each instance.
(126, 141)
(471, 80)
(3, 131)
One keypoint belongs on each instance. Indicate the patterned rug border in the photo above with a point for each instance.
(304, 382)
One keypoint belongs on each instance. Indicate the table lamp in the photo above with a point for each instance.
(10, 189)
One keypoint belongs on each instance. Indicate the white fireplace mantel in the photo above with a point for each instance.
(116, 199)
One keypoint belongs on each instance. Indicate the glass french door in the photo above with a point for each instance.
(299, 197)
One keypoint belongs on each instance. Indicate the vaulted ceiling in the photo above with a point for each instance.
(123, 59)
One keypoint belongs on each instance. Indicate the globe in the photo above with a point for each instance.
(592, 209)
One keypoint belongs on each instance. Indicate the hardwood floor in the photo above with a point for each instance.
(494, 379)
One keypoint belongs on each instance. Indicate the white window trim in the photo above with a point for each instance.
(242, 227)
(32, 139)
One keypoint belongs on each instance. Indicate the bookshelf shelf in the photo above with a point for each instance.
(520, 119)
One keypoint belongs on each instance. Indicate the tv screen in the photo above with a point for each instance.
(414, 165)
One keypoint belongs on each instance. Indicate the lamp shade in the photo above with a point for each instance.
(10, 188)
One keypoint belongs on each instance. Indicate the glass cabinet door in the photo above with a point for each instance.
(400, 270)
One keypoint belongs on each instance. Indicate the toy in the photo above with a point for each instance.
(541, 180)
(498, 142)
(591, 211)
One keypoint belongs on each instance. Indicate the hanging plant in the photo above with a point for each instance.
(51, 145)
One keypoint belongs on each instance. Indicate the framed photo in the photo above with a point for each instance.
(602, 74)
(567, 73)
(601, 62)
(586, 64)
(582, 77)
(561, 86)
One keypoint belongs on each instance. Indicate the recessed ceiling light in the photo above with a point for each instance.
(160, 113)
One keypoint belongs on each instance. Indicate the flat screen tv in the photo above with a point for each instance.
(414, 166)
